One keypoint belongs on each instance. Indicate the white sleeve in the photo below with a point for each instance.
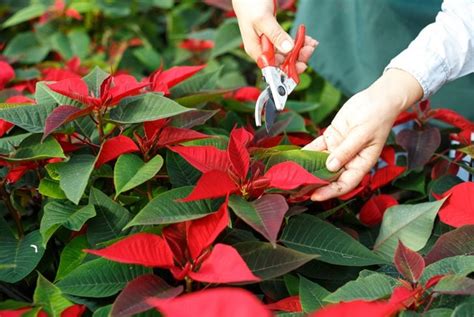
(444, 50)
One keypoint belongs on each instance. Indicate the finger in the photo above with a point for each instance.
(332, 137)
(308, 40)
(317, 144)
(275, 33)
(301, 67)
(346, 182)
(305, 53)
(251, 42)
(346, 150)
(279, 59)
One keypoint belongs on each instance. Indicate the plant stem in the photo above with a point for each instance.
(189, 284)
(100, 126)
(430, 302)
(149, 193)
(13, 212)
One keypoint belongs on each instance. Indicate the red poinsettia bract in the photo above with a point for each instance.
(5, 126)
(59, 9)
(112, 90)
(7, 73)
(458, 209)
(186, 250)
(381, 177)
(162, 81)
(196, 45)
(159, 134)
(72, 69)
(226, 171)
(228, 302)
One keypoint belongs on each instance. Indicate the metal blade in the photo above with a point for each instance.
(260, 105)
(270, 113)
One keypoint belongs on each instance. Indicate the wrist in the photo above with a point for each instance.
(399, 90)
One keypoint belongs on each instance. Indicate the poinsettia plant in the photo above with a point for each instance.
(134, 183)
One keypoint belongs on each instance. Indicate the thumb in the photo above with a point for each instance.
(345, 151)
(275, 33)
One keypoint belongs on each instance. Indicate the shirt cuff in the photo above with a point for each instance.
(427, 67)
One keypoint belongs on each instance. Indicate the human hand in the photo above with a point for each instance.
(358, 133)
(256, 18)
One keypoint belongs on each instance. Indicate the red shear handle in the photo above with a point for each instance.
(268, 53)
(268, 50)
(289, 65)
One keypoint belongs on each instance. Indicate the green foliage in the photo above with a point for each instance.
(411, 224)
(107, 278)
(311, 235)
(130, 171)
(108, 176)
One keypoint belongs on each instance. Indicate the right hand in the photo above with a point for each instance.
(359, 130)
(256, 18)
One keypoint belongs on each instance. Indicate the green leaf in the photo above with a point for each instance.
(165, 208)
(329, 100)
(460, 265)
(29, 117)
(13, 304)
(32, 148)
(58, 214)
(196, 84)
(367, 287)
(99, 278)
(201, 98)
(414, 181)
(148, 56)
(438, 312)
(103, 311)
(181, 173)
(464, 310)
(311, 295)
(50, 188)
(71, 256)
(130, 171)
(311, 235)
(18, 257)
(74, 175)
(80, 42)
(110, 220)
(60, 43)
(49, 297)
(267, 261)
(264, 214)
(301, 106)
(227, 38)
(26, 49)
(294, 122)
(9, 143)
(44, 95)
(455, 285)
(148, 107)
(314, 162)
(25, 14)
(94, 79)
(411, 224)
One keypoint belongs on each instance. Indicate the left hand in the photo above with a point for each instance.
(358, 133)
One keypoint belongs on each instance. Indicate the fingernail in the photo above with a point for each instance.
(333, 164)
(286, 46)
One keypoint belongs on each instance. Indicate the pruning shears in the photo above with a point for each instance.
(281, 80)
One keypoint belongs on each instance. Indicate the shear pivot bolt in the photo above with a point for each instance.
(281, 90)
